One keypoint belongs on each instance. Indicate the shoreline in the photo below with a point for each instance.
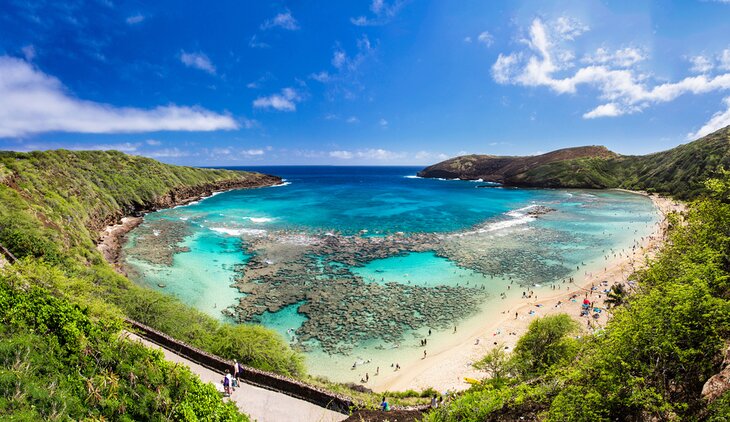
(111, 237)
(446, 368)
(448, 365)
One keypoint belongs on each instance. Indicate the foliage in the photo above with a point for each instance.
(57, 363)
(495, 363)
(54, 203)
(547, 342)
(655, 354)
(62, 303)
(680, 171)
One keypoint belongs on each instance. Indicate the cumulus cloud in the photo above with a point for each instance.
(701, 64)
(286, 100)
(197, 61)
(34, 102)
(622, 88)
(383, 123)
(283, 20)
(719, 120)
(382, 13)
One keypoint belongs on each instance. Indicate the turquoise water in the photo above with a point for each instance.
(419, 268)
(485, 241)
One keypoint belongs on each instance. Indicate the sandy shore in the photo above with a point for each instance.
(446, 366)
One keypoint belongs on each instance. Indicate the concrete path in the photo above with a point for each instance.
(260, 404)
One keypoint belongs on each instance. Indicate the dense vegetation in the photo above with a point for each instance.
(57, 362)
(653, 358)
(680, 171)
(52, 205)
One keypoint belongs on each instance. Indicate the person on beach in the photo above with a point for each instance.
(434, 402)
(424, 354)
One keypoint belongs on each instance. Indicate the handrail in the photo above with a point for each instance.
(259, 378)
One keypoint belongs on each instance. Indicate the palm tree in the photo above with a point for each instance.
(617, 296)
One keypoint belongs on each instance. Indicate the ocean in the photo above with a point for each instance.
(353, 264)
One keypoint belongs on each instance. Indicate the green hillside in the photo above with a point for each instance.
(62, 291)
(680, 171)
(652, 359)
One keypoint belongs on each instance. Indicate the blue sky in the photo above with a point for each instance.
(360, 82)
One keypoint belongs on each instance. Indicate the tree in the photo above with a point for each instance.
(617, 296)
(546, 343)
(495, 363)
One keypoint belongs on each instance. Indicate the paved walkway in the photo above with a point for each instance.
(260, 404)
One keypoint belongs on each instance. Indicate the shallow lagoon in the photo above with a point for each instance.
(480, 226)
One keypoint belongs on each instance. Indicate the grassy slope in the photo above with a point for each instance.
(76, 193)
(680, 171)
(53, 203)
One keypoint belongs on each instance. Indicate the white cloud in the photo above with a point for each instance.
(197, 61)
(624, 90)
(429, 156)
(339, 58)
(467, 39)
(135, 19)
(33, 102)
(283, 20)
(379, 154)
(486, 38)
(625, 57)
(322, 76)
(604, 110)
(29, 52)
(284, 101)
(153, 142)
(701, 64)
(252, 152)
(724, 60)
(504, 67)
(373, 154)
(343, 155)
(383, 13)
(383, 123)
(569, 28)
(719, 120)
(353, 119)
